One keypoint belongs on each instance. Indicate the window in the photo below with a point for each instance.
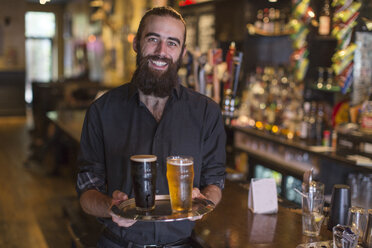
(40, 31)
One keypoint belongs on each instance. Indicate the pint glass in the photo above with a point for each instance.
(143, 169)
(180, 175)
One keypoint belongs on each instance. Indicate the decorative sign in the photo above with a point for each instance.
(262, 196)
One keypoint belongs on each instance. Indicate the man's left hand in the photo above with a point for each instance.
(197, 194)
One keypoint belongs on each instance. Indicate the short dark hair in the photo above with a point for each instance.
(159, 11)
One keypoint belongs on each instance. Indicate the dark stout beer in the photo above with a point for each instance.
(143, 169)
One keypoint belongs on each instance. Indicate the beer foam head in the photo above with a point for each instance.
(180, 161)
(143, 158)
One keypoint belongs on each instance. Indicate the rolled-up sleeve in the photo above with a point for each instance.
(91, 168)
(214, 150)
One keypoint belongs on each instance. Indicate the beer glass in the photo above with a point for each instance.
(143, 170)
(180, 175)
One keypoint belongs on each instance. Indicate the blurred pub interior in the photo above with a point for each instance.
(300, 97)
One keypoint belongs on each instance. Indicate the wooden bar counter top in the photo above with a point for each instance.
(233, 225)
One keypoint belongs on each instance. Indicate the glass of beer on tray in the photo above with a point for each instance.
(180, 175)
(144, 181)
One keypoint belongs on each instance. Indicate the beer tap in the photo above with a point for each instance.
(230, 94)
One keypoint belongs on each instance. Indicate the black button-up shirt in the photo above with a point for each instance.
(118, 125)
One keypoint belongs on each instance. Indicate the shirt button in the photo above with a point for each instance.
(157, 191)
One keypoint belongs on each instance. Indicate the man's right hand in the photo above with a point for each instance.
(117, 198)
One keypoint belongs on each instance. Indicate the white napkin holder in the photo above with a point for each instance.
(262, 196)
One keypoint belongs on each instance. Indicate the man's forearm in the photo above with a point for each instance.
(95, 203)
(213, 193)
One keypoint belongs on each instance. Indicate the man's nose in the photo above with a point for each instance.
(161, 48)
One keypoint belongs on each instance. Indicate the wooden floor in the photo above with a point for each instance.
(30, 200)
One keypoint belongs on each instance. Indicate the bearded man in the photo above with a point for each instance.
(153, 114)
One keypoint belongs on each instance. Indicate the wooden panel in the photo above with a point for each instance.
(12, 93)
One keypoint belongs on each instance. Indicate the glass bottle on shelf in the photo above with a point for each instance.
(312, 122)
(320, 80)
(277, 24)
(259, 19)
(325, 19)
(282, 20)
(366, 116)
(271, 20)
(266, 20)
(305, 121)
(329, 83)
(319, 126)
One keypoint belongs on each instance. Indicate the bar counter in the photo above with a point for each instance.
(232, 224)
(303, 146)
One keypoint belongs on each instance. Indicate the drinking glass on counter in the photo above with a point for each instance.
(357, 220)
(367, 239)
(180, 175)
(312, 209)
(361, 189)
(344, 237)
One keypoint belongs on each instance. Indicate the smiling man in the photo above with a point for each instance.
(153, 114)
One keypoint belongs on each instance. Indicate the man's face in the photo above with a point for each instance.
(163, 37)
(160, 55)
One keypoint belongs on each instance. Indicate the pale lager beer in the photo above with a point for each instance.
(180, 175)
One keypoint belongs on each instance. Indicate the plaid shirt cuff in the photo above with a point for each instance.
(87, 180)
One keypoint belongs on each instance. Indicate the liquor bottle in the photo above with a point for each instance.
(312, 123)
(329, 83)
(266, 20)
(305, 121)
(230, 65)
(366, 116)
(319, 125)
(259, 21)
(277, 24)
(282, 20)
(325, 19)
(271, 20)
(320, 80)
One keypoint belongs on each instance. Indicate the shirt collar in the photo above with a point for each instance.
(134, 91)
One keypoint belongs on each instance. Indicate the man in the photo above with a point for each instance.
(153, 114)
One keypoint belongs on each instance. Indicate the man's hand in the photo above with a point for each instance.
(211, 192)
(117, 198)
(197, 194)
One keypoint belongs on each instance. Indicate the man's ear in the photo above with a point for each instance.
(135, 44)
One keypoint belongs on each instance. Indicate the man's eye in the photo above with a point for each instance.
(152, 39)
(171, 43)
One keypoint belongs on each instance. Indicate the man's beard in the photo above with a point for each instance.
(154, 82)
